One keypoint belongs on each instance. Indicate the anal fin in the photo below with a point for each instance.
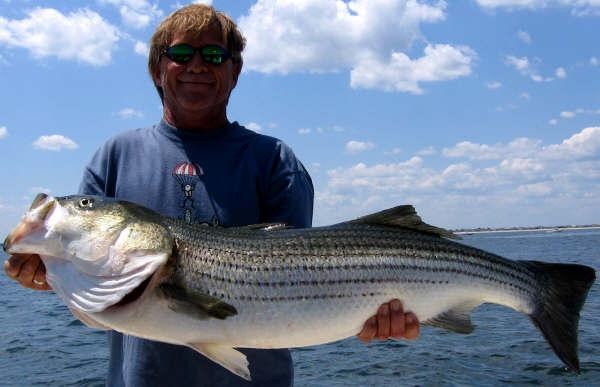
(456, 319)
(227, 357)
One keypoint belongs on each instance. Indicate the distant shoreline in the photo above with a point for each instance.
(523, 229)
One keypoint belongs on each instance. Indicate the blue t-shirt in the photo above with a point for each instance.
(230, 176)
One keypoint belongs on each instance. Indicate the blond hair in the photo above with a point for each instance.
(192, 20)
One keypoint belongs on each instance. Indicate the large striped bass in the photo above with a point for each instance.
(120, 266)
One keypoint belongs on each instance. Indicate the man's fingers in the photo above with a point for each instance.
(383, 322)
(39, 278)
(397, 320)
(28, 270)
(12, 266)
(27, 273)
(369, 330)
(412, 326)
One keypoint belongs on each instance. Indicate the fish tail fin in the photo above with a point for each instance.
(563, 290)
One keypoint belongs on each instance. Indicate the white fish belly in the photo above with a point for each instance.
(296, 323)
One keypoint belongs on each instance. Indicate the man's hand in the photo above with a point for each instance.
(390, 322)
(28, 270)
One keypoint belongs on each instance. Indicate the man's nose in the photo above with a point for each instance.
(196, 65)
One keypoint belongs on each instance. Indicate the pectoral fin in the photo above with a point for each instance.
(228, 357)
(196, 303)
(457, 319)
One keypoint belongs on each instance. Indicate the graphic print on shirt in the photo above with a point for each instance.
(187, 175)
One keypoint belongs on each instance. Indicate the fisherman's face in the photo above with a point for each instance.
(196, 87)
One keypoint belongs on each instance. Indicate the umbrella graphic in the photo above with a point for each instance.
(187, 175)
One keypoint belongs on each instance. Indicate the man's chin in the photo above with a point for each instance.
(200, 104)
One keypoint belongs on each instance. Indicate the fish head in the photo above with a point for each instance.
(96, 250)
(81, 226)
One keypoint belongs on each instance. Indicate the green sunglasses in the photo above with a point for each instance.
(210, 53)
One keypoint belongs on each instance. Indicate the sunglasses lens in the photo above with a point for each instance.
(213, 54)
(181, 53)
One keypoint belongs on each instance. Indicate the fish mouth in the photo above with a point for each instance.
(40, 209)
(39, 198)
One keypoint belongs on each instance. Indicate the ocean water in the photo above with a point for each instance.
(42, 344)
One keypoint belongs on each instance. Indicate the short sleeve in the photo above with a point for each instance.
(290, 192)
(95, 179)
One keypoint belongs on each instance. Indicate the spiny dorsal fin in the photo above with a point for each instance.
(267, 226)
(405, 217)
(457, 319)
(196, 303)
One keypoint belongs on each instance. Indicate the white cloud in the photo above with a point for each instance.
(136, 13)
(178, 5)
(525, 96)
(520, 146)
(439, 63)
(581, 145)
(493, 85)
(82, 35)
(321, 130)
(535, 189)
(38, 189)
(524, 36)
(358, 146)
(427, 151)
(578, 7)
(333, 35)
(517, 178)
(253, 126)
(520, 64)
(528, 68)
(560, 73)
(3, 132)
(472, 150)
(594, 61)
(54, 142)
(393, 152)
(128, 112)
(567, 114)
(141, 48)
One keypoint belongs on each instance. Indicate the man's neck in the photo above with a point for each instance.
(196, 122)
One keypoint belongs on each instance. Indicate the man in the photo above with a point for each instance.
(198, 166)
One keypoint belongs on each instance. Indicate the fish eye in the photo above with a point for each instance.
(86, 203)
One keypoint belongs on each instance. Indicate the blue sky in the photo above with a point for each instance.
(479, 113)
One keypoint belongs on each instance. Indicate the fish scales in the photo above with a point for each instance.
(240, 265)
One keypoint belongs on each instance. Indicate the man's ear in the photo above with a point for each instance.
(236, 70)
(156, 77)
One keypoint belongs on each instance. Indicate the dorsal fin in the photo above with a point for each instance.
(405, 217)
(267, 226)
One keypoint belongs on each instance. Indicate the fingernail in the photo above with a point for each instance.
(410, 319)
(395, 305)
